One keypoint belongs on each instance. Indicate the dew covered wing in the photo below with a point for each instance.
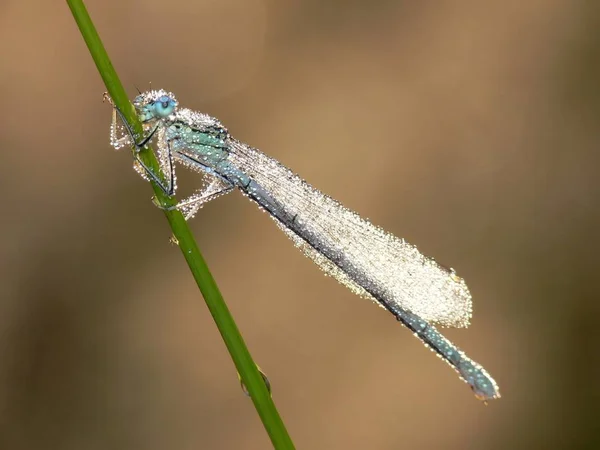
(405, 276)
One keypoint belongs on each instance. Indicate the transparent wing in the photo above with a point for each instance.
(405, 277)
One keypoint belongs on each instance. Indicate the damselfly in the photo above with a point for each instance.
(369, 261)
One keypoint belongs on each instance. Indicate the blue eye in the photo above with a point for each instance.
(164, 106)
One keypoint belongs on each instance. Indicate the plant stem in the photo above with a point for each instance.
(231, 336)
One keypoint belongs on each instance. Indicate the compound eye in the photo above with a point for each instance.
(164, 106)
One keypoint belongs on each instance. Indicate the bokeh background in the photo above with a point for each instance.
(469, 128)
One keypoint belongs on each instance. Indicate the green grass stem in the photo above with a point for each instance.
(244, 364)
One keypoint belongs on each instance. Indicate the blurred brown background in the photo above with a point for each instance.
(469, 128)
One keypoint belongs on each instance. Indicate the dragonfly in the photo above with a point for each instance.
(371, 262)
